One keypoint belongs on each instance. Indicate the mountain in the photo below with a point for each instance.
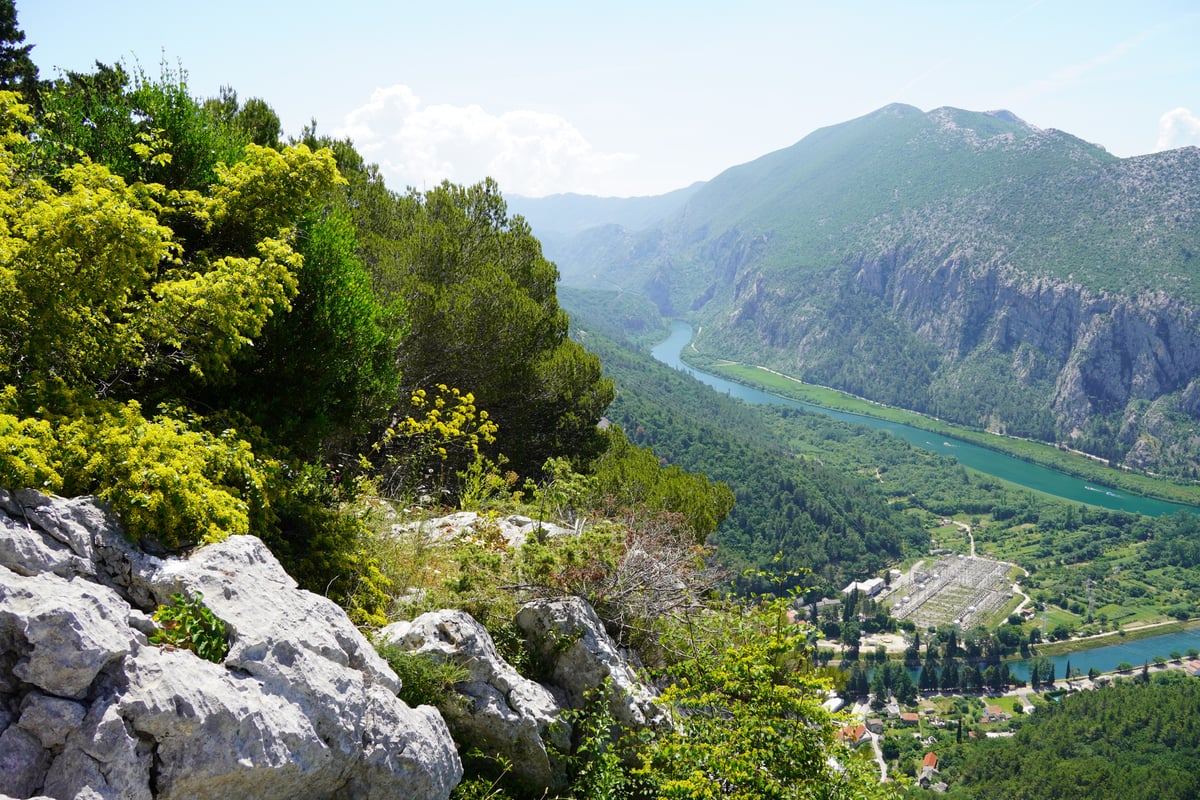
(963, 264)
(565, 214)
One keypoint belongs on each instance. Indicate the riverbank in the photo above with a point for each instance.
(1072, 462)
(1130, 634)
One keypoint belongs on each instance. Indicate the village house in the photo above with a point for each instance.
(928, 770)
(854, 735)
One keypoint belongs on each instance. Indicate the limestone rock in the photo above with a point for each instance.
(302, 705)
(64, 631)
(568, 636)
(496, 709)
(513, 530)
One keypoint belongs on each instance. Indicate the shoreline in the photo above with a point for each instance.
(1131, 634)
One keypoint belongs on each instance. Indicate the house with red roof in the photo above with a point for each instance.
(928, 769)
(854, 735)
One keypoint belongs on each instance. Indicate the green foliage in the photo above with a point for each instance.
(254, 119)
(26, 449)
(598, 770)
(108, 301)
(328, 549)
(171, 481)
(1132, 741)
(109, 116)
(441, 432)
(630, 476)
(323, 373)
(425, 679)
(484, 315)
(189, 624)
(750, 724)
(17, 70)
(474, 787)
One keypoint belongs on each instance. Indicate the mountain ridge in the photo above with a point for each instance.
(965, 264)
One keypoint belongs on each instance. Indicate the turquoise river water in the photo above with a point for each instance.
(991, 462)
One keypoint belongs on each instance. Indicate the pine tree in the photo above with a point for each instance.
(17, 71)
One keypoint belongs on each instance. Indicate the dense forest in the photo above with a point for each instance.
(1134, 740)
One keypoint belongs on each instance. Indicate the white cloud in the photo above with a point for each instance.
(527, 152)
(1177, 128)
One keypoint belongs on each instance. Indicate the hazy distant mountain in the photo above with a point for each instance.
(566, 214)
(964, 264)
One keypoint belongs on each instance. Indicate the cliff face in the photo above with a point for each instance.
(986, 345)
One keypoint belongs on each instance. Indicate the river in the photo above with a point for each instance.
(970, 455)
(1105, 658)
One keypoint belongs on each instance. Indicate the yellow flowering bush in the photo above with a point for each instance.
(442, 433)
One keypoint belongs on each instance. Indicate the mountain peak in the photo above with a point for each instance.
(1007, 116)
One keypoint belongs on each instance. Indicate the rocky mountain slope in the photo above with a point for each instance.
(967, 265)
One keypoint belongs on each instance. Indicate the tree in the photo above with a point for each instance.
(122, 297)
(255, 119)
(852, 639)
(17, 70)
(753, 727)
(928, 679)
(950, 676)
(484, 316)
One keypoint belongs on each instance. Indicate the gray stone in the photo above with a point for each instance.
(301, 706)
(64, 631)
(104, 759)
(568, 637)
(23, 762)
(513, 530)
(51, 719)
(495, 709)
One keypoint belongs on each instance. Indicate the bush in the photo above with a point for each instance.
(191, 625)
(426, 680)
(750, 724)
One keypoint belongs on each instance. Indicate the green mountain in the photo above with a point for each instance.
(967, 265)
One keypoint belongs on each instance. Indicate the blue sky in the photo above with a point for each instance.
(641, 97)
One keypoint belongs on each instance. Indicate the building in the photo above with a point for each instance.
(928, 770)
(854, 735)
(868, 588)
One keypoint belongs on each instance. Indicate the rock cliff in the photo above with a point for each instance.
(301, 706)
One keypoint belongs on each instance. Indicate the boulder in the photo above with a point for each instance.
(495, 709)
(301, 706)
(567, 636)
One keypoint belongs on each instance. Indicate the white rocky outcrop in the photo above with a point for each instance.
(567, 636)
(301, 706)
(513, 529)
(495, 709)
